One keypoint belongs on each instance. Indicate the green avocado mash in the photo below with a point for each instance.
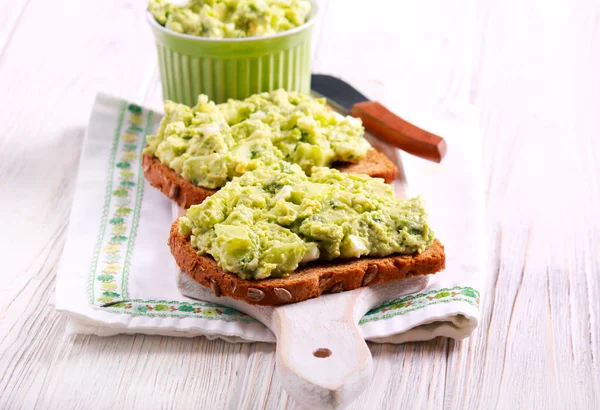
(267, 222)
(210, 144)
(231, 18)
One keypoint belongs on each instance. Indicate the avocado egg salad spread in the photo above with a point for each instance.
(210, 143)
(231, 18)
(269, 221)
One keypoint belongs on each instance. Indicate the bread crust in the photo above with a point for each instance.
(376, 164)
(306, 282)
(186, 194)
(173, 185)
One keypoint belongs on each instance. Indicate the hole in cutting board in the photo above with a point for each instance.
(322, 353)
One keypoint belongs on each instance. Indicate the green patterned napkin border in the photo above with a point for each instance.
(109, 269)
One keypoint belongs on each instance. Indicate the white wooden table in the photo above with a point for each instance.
(531, 67)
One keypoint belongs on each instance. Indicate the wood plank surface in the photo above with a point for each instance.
(530, 67)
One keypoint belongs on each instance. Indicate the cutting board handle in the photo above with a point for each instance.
(389, 127)
(323, 365)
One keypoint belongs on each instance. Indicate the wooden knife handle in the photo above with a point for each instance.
(388, 127)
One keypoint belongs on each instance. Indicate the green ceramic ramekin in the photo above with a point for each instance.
(232, 68)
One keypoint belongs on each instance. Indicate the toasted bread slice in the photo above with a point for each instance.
(170, 183)
(186, 194)
(307, 282)
(376, 164)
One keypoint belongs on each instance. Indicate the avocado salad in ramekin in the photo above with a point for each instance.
(232, 48)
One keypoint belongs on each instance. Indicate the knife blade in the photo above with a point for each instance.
(378, 120)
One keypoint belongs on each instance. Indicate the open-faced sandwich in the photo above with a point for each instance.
(276, 235)
(197, 150)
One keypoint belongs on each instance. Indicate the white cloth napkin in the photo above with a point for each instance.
(117, 275)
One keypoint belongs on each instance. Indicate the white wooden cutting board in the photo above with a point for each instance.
(322, 359)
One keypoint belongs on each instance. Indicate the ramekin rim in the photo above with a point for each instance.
(311, 21)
